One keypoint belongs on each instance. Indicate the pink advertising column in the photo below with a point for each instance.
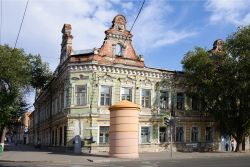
(123, 133)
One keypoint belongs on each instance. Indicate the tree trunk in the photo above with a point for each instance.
(238, 147)
(239, 144)
(2, 135)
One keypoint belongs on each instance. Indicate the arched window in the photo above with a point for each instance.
(118, 50)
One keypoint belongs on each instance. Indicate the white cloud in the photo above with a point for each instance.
(171, 37)
(41, 32)
(235, 12)
(154, 28)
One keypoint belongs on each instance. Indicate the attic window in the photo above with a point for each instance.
(120, 27)
(118, 50)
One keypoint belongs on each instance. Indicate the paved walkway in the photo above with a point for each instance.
(24, 153)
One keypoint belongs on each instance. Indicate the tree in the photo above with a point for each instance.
(41, 73)
(18, 72)
(221, 81)
(14, 79)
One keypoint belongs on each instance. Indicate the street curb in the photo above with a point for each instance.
(94, 160)
(33, 161)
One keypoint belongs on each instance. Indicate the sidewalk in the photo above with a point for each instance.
(24, 153)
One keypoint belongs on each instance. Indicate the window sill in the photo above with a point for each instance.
(145, 143)
(181, 110)
(76, 106)
(148, 108)
(103, 144)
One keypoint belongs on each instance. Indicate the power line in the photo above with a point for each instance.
(1, 22)
(21, 23)
(137, 15)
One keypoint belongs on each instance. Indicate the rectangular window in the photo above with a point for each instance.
(209, 134)
(194, 134)
(56, 105)
(145, 135)
(65, 135)
(104, 135)
(179, 134)
(180, 101)
(163, 99)
(60, 135)
(195, 103)
(56, 138)
(146, 98)
(163, 134)
(62, 101)
(105, 95)
(81, 95)
(52, 136)
(126, 94)
(65, 99)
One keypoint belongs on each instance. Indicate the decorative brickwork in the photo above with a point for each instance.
(66, 45)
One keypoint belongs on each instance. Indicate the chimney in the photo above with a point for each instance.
(66, 45)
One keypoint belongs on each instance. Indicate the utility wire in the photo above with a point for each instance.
(1, 22)
(137, 15)
(21, 23)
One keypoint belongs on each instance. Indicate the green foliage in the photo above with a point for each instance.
(18, 72)
(221, 81)
(41, 74)
(14, 67)
(14, 78)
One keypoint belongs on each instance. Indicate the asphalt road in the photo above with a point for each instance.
(242, 161)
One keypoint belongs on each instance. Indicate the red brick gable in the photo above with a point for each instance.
(117, 47)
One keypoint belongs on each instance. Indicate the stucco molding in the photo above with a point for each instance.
(145, 72)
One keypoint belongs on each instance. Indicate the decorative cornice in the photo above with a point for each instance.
(146, 72)
(118, 36)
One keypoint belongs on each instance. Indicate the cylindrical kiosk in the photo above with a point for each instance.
(123, 133)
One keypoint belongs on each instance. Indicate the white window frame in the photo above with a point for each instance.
(198, 135)
(119, 46)
(151, 94)
(111, 93)
(150, 135)
(132, 91)
(98, 135)
(167, 133)
(212, 135)
(169, 103)
(184, 101)
(75, 98)
(184, 134)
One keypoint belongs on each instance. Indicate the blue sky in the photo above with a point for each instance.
(164, 32)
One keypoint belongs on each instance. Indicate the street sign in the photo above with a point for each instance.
(166, 119)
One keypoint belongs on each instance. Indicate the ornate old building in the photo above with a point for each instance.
(87, 82)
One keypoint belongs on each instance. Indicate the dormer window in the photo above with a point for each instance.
(118, 50)
(120, 27)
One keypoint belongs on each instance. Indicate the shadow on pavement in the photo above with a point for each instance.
(29, 148)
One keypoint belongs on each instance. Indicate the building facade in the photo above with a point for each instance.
(87, 82)
(22, 130)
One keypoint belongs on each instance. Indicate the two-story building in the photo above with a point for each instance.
(87, 82)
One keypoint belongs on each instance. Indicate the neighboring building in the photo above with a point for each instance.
(31, 128)
(87, 82)
(22, 131)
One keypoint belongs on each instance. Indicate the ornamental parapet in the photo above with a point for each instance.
(146, 72)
